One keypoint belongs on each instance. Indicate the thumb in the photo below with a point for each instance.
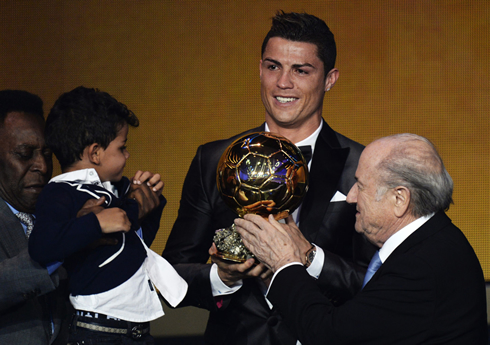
(94, 202)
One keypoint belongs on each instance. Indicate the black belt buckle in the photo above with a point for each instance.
(137, 331)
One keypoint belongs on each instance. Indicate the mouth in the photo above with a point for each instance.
(35, 188)
(285, 100)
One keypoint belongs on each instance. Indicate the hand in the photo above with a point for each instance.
(113, 220)
(95, 206)
(91, 205)
(297, 237)
(146, 189)
(231, 272)
(270, 241)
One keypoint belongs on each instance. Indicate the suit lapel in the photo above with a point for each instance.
(13, 239)
(326, 169)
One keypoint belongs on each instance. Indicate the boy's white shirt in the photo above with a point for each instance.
(136, 299)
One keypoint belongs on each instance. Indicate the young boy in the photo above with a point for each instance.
(104, 248)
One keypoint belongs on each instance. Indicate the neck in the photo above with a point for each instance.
(294, 133)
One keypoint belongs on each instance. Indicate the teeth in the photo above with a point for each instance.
(285, 100)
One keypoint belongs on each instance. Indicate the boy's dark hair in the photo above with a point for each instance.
(82, 117)
(303, 27)
(21, 101)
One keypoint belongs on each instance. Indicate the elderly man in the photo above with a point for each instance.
(428, 287)
(31, 311)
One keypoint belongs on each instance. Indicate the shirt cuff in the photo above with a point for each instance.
(317, 264)
(279, 270)
(218, 288)
(52, 267)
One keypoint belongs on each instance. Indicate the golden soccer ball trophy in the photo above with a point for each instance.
(261, 173)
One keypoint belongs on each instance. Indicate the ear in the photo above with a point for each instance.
(331, 78)
(260, 69)
(402, 201)
(93, 153)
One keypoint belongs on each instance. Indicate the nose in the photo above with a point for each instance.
(352, 195)
(284, 81)
(41, 163)
(126, 154)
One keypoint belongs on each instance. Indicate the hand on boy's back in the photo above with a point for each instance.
(91, 205)
(146, 188)
(110, 219)
(95, 206)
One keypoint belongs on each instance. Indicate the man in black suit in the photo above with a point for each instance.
(426, 285)
(297, 67)
(31, 311)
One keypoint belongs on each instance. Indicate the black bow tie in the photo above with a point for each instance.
(306, 151)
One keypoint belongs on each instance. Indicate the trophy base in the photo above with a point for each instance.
(230, 246)
(229, 243)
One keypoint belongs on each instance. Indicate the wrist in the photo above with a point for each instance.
(309, 256)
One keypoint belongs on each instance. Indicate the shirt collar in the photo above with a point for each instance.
(311, 140)
(84, 176)
(401, 235)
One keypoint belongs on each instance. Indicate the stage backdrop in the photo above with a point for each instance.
(190, 71)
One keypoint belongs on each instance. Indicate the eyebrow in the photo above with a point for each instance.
(294, 65)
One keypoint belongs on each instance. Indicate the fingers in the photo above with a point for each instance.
(113, 220)
(91, 205)
(153, 181)
(94, 202)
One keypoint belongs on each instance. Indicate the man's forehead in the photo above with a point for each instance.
(302, 50)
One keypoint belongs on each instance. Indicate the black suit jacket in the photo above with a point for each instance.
(28, 298)
(430, 290)
(245, 317)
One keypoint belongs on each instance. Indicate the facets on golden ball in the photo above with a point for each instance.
(262, 173)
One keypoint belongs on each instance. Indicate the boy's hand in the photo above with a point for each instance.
(113, 220)
(145, 189)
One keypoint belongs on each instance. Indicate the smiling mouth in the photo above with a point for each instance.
(285, 99)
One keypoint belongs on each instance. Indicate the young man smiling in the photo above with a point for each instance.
(297, 67)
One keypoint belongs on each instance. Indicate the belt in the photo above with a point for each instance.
(101, 323)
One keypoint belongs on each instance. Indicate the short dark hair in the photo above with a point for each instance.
(82, 117)
(303, 27)
(21, 101)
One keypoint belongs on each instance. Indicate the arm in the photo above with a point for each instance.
(22, 279)
(59, 233)
(363, 320)
(146, 189)
(384, 314)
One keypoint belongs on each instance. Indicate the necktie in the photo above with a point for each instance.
(28, 220)
(372, 268)
(306, 151)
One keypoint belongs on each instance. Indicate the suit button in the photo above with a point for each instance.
(272, 321)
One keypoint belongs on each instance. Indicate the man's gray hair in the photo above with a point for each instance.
(415, 164)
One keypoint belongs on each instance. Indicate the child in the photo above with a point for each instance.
(104, 248)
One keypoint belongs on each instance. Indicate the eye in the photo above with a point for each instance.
(48, 154)
(272, 67)
(24, 154)
(301, 71)
(123, 148)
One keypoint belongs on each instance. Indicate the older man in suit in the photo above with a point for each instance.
(297, 68)
(424, 285)
(31, 309)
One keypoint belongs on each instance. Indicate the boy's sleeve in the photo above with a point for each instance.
(58, 233)
(151, 223)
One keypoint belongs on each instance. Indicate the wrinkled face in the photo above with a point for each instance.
(375, 218)
(25, 161)
(293, 82)
(113, 158)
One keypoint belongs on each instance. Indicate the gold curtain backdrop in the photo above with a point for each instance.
(189, 70)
